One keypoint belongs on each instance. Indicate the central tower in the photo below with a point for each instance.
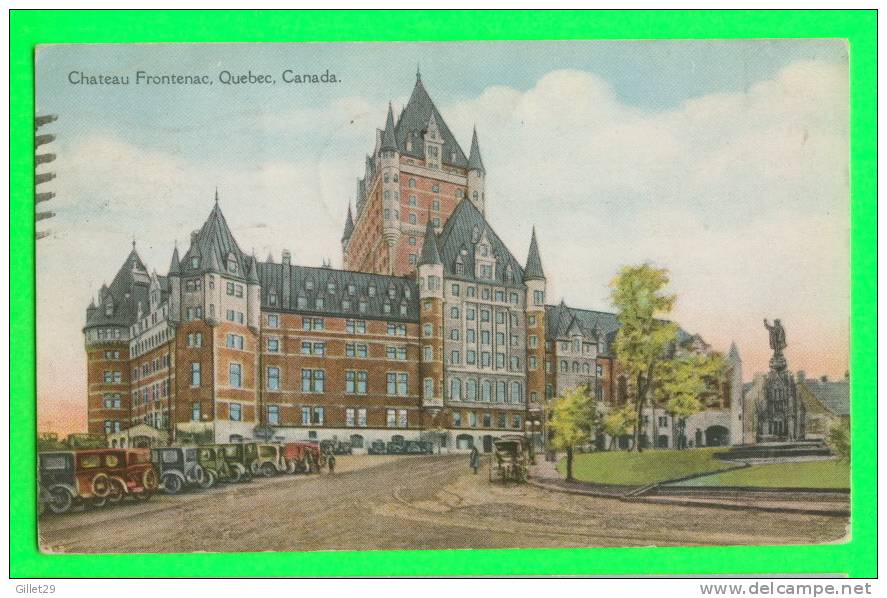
(417, 173)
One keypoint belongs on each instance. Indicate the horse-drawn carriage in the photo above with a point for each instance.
(511, 459)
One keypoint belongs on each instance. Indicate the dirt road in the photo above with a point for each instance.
(409, 503)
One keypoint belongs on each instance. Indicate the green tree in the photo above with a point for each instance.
(686, 382)
(644, 338)
(574, 419)
(619, 423)
(839, 440)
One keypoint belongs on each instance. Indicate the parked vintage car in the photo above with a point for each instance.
(136, 476)
(215, 466)
(242, 459)
(336, 447)
(178, 468)
(377, 447)
(67, 479)
(395, 447)
(270, 459)
(418, 447)
(510, 460)
(302, 457)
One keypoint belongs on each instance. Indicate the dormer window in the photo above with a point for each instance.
(232, 264)
(371, 290)
(460, 266)
(109, 308)
(351, 289)
(392, 292)
(272, 298)
(330, 287)
(309, 285)
(195, 262)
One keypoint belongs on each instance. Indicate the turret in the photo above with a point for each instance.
(389, 159)
(476, 175)
(534, 278)
(734, 364)
(175, 287)
(346, 237)
(253, 299)
(433, 143)
(430, 275)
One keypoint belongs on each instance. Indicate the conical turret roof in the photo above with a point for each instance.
(349, 225)
(174, 269)
(389, 142)
(534, 271)
(214, 243)
(252, 276)
(430, 253)
(474, 160)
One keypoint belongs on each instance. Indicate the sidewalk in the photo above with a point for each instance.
(545, 475)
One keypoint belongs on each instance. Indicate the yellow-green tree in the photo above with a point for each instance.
(644, 338)
(686, 382)
(619, 423)
(574, 419)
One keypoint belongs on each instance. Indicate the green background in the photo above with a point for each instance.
(28, 28)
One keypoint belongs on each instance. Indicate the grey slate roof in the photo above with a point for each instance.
(125, 294)
(388, 141)
(463, 228)
(213, 244)
(311, 283)
(474, 160)
(413, 121)
(430, 254)
(174, 262)
(833, 395)
(534, 271)
(559, 319)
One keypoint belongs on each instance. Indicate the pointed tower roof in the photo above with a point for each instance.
(174, 264)
(252, 276)
(733, 355)
(349, 225)
(389, 142)
(534, 271)
(413, 121)
(124, 292)
(474, 159)
(430, 253)
(213, 244)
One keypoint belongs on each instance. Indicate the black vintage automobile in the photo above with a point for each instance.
(417, 447)
(377, 447)
(336, 447)
(179, 468)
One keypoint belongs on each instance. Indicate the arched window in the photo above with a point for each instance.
(575, 367)
(412, 219)
(456, 389)
(232, 264)
(471, 389)
(564, 366)
(501, 391)
(586, 368)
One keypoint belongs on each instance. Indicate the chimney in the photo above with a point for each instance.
(194, 234)
(287, 257)
(824, 379)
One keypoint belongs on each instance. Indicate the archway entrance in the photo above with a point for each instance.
(464, 441)
(717, 436)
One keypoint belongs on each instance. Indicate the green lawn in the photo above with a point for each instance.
(805, 474)
(637, 469)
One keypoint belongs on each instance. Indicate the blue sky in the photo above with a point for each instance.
(725, 161)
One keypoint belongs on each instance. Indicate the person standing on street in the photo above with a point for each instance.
(474, 459)
(331, 461)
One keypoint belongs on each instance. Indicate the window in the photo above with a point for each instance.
(306, 416)
(313, 348)
(195, 374)
(273, 320)
(472, 419)
(195, 412)
(531, 320)
(362, 417)
(500, 339)
(232, 264)
(234, 412)
(516, 392)
(412, 219)
(195, 262)
(564, 366)
(397, 383)
(398, 353)
(428, 353)
(397, 329)
(455, 290)
(428, 390)
(454, 312)
(435, 206)
(455, 389)
(401, 418)
(349, 417)
(318, 416)
(487, 391)
(500, 391)
(195, 339)
(313, 380)
(273, 345)
(312, 323)
(356, 382)
(457, 419)
(486, 359)
(533, 341)
(234, 375)
(531, 362)
(500, 295)
(229, 288)
(391, 418)
(538, 297)
(470, 356)
(455, 358)
(435, 222)
(485, 337)
(515, 363)
(273, 378)
(427, 329)
(454, 334)
(355, 350)
(412, 240)
(273, 415)
(488, 420)
(234, 341)
(484, 315)
(356, 326)
(412, 183)
(517, 422)
(413, 203)
(272, 299)
(599, 370)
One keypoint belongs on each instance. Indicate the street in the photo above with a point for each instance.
(427, 502)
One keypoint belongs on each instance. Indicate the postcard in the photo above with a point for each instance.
(368, 296)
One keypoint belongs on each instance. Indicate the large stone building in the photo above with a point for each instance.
(433, 329)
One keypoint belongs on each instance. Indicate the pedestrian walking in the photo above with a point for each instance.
(331, 462)
(474, 459)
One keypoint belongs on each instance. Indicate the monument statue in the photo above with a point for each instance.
(777, 335)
